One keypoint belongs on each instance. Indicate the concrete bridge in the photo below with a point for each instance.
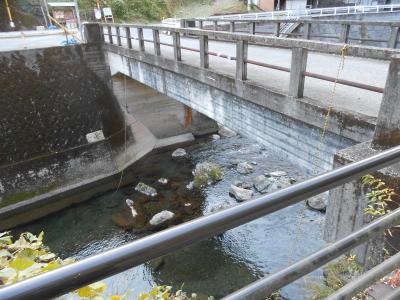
(276, 91)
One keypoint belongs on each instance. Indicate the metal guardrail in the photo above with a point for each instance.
(313, 12)
(91, 269)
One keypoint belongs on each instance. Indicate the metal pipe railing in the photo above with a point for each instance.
(367, 279)
(88, 270)
(395, 295)
(264, 287)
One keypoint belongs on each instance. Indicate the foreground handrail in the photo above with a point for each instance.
(264, 287)
(88, 270)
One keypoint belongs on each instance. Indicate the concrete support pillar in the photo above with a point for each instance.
(232, 26)
(156, 41)
(128, 37)
(241, 60)
(177, 46)
(140, 39)
(277, 31)
(387, 131)
(118, 32)
(307, 31)
(204, 61)
(252, 27)
(110, 37)
(93, 33)
(344, 36)
(394, 35)
(297, 69)
(215, 25)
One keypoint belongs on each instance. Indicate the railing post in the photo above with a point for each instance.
(156, 41)
(215, 25)
(344, 37)
(241, 60)
(277, 29)
(307, 31)
(128, 37)
(387, 130)
(252, 27)
(183, 23)
(140, 39)
(177, 46)
(117, 29)
(200, 24)
(394, 34)
(110, 38)
(204, 60)
(232, 26)
(297, 69)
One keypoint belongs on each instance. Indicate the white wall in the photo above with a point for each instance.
(296, 4)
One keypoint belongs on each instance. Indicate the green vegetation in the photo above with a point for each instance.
(28, 256)
(337, 274)
(155, 10)
(207, 173)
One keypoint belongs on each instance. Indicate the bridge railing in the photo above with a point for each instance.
(318, 12)
(282, 28)
(119, 34)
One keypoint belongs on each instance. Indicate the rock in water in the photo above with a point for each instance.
(163, 180)
(129, 202)
(277, 174)
(121, 221)
(190, 185)
(261, 183)
(240, 194)
(244, 168)
(215, 137)
(318, 202)
(278, 179)
(146, 189)
(179, 153)
(206, 173)
(221, 206)
(243, 185)
(161, 217)
(226, 132)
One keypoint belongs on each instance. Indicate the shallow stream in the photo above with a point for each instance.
(217, 266)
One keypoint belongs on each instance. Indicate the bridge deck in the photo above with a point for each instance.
(367, 71)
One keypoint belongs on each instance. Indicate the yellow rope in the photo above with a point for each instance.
(65, 29)
(343, 53)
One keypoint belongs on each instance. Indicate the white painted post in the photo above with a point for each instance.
(297, 69)
(204, 59)
(241, 60)
(387, 131)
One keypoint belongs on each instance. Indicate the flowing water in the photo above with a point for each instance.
(217, 266)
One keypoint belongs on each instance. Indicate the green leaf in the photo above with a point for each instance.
(21, 263)
(8, 275)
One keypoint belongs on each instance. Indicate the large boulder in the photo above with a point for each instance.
(146, 189)
(244, 168)
(279, 180)
(262, 183)
(318, 202)
(179, 153)
(207, 173)
(240, 194)
(226, 132)
(161, 217)
(122, 221)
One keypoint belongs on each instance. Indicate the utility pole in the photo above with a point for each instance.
(78, 17)
(46, 22)
(47, 12)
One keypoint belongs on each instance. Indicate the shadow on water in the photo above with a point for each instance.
(216, 266)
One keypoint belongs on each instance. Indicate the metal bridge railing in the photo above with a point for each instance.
(91, 269)
(313, 12)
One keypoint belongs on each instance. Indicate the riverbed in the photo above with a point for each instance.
(217, 266)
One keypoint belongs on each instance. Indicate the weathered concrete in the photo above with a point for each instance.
(277, 120)
(345, 211)
(162, 115)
